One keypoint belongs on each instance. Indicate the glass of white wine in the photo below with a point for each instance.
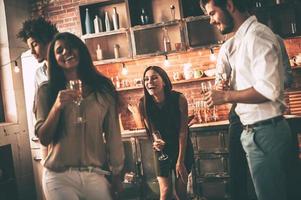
(156, 137)
(76, 85)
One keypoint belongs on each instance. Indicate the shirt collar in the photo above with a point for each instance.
(245, 26)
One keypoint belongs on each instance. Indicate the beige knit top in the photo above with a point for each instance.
(96, 142)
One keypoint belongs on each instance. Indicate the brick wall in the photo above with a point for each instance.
(65, 14)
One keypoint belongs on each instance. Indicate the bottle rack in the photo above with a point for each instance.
(189, 27)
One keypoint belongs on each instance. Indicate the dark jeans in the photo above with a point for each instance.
(241, 186)
(237, 159)
(294, 171)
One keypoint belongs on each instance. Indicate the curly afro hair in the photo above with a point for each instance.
(40, 29)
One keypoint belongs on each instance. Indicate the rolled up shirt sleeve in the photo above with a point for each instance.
(222, 65)
(266, 67)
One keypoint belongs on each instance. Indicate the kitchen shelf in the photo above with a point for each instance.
(111, 61)
(107, 40)
(157, 25)
(105, 33)
(141, 41)
(174, 83)
(129, 88)
(148, 39)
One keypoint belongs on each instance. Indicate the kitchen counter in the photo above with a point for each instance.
(141, 133)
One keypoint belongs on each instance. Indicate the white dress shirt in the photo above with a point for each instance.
(252, 58)
(41, 76)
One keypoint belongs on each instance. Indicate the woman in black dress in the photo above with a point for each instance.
(166, 111)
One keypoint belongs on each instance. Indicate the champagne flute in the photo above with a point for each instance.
(76, 85)
(156, 137)
(205, 87)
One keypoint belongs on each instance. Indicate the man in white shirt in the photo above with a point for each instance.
(37, 34)
(257, 76)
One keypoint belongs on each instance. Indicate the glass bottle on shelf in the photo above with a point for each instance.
(117, 82)
(97, 24)
(87, 22)
(166, 41)
(99, 54)
(116, 51)
(144, 17)
(115, 19)
(107, 21)
(258, 3)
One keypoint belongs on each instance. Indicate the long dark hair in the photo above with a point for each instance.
(148, 100)
(86, 71)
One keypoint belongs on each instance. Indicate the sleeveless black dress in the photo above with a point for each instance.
(167, 120)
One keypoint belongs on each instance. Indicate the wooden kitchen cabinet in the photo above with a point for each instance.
(200, 33)
(148, 39)
(141, 40)
(283, 17)
(211, 177)
(107, 39)
(188, 29)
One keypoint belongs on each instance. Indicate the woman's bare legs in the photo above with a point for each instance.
(165, 187)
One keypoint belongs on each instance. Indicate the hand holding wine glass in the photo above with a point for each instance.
(222, 82)
(159, 144)
(76, 85)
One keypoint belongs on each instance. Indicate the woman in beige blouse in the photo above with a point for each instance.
(80, 154)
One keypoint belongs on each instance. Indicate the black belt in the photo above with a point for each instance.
(273, 120)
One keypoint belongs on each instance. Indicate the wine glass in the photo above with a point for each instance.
(205, 87)
(156, 137)
(223, 80)
(76, 85)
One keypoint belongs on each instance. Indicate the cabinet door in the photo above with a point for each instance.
(214, 188)
(211, 165)
(210, 141)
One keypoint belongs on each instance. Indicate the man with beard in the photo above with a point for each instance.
(255, 67)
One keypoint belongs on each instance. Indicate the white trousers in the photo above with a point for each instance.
(75, 185)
